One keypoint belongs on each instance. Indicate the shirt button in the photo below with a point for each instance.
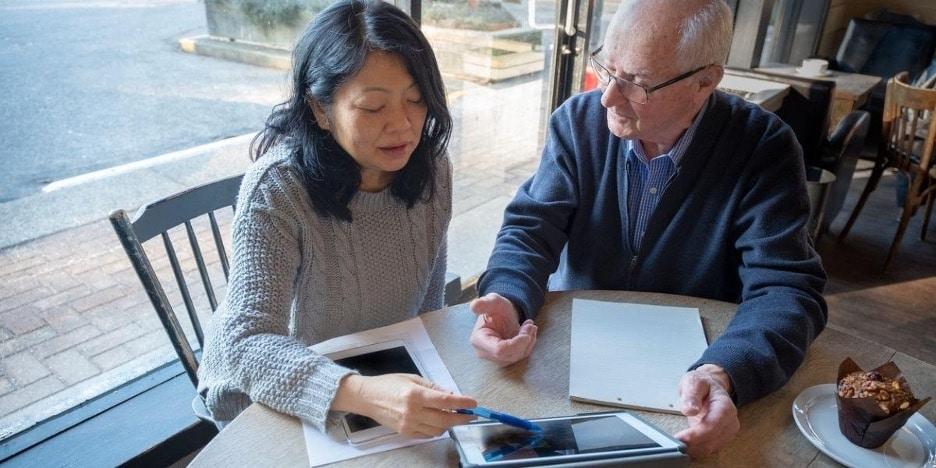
(653, 190)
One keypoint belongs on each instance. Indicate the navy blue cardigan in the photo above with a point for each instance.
(730, 226)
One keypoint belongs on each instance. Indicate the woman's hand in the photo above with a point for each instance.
(406, 403)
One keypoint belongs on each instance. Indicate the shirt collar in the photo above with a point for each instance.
(678, 150)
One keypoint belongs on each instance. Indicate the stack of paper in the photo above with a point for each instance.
(632, 355)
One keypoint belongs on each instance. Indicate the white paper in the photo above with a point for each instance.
(632, 355)
(333, 446)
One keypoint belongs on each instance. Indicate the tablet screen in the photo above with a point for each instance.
(387, 361)
(559, 437)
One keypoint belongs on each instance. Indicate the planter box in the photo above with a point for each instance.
(486, 56)
(258, 22)
(263, 33)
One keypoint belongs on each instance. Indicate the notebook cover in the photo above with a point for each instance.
(632, 355)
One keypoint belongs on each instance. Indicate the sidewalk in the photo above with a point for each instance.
(74, 320)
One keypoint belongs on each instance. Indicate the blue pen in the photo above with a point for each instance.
(505, 418)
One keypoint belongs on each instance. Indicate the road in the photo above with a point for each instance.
(88, 85)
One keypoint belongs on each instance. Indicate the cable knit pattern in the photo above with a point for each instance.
(298, 278)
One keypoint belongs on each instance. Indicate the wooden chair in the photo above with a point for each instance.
(907, 142)
(156, 219)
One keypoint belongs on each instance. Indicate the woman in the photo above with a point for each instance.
(340, 227)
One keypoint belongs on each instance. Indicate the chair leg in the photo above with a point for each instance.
(904, 221)
(929, 211)
(876, 174)
(914, 200)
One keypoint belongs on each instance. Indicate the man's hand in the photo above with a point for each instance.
(713, 417)
(498, 336)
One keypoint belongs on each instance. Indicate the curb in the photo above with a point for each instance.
(146, 163)
(87, 198)
(237, 51)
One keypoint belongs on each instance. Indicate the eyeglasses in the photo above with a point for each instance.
(633, 92)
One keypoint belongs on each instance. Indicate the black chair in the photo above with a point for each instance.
(840, 155)
(883, 48)
(156, 219)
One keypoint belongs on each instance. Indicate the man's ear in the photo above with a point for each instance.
(711, 77)
(321, 117)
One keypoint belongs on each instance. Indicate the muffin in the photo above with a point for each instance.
(891, 395)
(874, 404)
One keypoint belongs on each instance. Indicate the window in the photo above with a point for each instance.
(115, 104)
(793, 32)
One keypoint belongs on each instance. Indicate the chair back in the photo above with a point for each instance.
(847, 139)
(841, 153)
(157, 219)
(908, 129)
(884, 48)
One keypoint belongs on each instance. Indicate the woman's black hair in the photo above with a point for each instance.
(332, 49)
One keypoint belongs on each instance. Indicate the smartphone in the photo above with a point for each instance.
(390, 357)
(566, 439)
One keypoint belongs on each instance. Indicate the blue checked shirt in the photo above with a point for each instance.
(647, 179)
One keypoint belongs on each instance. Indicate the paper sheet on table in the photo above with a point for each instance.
(334, 447)
(632, 355)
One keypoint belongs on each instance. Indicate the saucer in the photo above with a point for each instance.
(816, 414)
(800, 71)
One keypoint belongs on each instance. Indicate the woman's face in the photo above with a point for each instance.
(377, 116)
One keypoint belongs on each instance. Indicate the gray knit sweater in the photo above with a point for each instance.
(298, 278)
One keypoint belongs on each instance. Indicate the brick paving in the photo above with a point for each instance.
(75, 321)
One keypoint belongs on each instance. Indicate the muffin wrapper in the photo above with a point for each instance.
(861, 420)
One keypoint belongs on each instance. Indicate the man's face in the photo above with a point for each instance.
(646, 55)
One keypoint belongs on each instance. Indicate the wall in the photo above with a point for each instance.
(841, 11)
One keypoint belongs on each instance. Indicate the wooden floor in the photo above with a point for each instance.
(896, 308)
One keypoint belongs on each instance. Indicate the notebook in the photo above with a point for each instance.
(632, 355)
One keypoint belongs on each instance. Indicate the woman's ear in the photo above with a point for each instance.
(321, 117)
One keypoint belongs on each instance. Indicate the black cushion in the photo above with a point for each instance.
(884, 49)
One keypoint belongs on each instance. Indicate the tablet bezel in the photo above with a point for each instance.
(473, 456)
(375, 433)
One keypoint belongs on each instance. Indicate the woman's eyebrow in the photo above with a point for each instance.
(385, 90)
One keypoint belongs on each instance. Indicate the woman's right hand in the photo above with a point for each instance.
(406, 403)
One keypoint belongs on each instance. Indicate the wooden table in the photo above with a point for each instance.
(765, 93)
(539, 387)
(851, 89)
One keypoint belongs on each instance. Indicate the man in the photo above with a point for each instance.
(659, 183)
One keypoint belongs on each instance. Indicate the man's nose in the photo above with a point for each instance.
(611, 96)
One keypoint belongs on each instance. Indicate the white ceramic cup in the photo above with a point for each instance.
(815, 66)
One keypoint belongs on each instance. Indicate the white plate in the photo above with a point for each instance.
(816, 413)
(800, 71)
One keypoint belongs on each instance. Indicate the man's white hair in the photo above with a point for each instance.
(705, 35)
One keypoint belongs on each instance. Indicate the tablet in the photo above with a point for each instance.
(568, 439)
(391, 357)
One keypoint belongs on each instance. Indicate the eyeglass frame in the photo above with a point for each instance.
(617, 80)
